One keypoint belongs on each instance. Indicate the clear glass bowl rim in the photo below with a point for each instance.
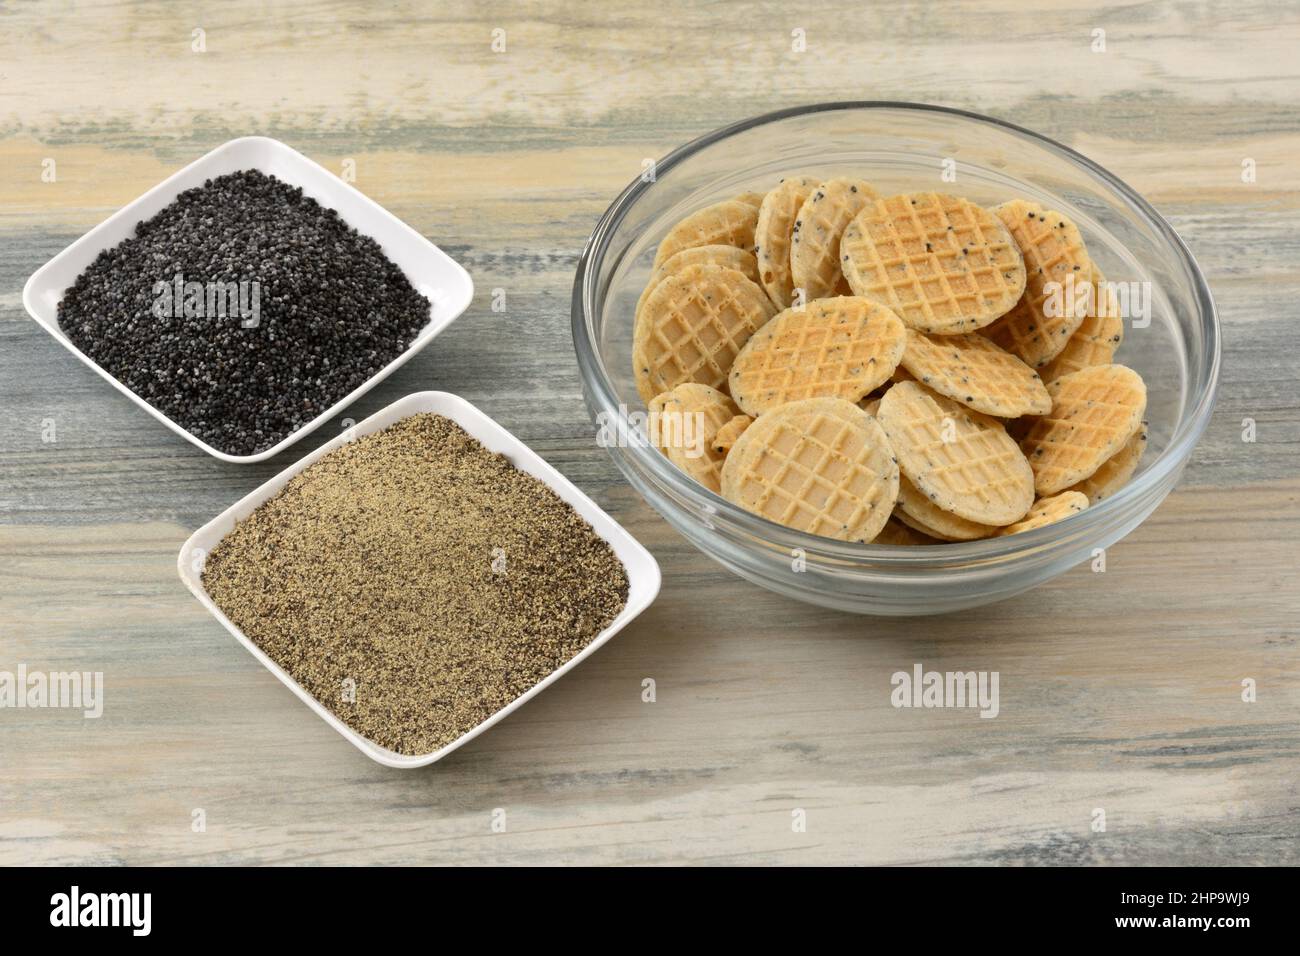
(603, 398)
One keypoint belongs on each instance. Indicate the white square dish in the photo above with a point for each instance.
(642, 570)
(433, 273)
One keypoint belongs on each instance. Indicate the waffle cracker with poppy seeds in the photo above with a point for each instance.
(1094, 412)
(1054, 254)
(1116, 470)
(692, 327)
(1095, 340)
(729, 223)
(815, 236)
(944, 264)
(821, 465)
(772, 236)
(962, 460)
(684, 424)
(729, 432)
(831, 348)
(918, 511)
(1048, 511)
(972, 370)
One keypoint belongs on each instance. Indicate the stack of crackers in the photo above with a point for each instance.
(893, 370)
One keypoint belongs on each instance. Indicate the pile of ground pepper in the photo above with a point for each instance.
(284, 309)
(415, 583)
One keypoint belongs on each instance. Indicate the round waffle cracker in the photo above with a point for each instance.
(944, 264)
(815, 236)
(916, 509)
(1094, 412)
(901, 517)
(831, 348)
(684, 424)
(821, 465)
(1047, 511)
(731, 257)
(729, 432)
(1095, 340)
(729, 223)
(963, 461)
(900, 534)
(1116, 470)
(772, 235)
(693, 325)
(1054, 252)
(972, 370)
(750, 199)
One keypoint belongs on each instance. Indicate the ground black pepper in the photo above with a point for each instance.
(415, 583)
(332, 311)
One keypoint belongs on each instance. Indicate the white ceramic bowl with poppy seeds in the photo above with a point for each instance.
(642, 570)
(432, 273)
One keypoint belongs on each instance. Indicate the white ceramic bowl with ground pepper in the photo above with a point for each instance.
(431, 271)
(643, 576)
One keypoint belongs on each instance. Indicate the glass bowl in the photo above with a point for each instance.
(899, 147)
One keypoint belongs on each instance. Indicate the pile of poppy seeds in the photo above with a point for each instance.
(415, 583)
(331, 311)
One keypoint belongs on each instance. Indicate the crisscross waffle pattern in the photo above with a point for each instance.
(1116, 470)
(729, 257)
(684, 424)
(815, 236)
(693, 326)
(925, 516)
(964, 462)
(1094, 412)
(1054, 253)
(776, 218)
(941, 262)
(832, 348)
(1095, 340)
(729, 432)
(729, 223)
(732, 257)
(821, 465)
(1048, 511)
(972, 370)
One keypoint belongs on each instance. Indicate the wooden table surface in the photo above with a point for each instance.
(1119, 691)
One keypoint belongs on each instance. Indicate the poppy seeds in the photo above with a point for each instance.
(280, 310)
(415, 583)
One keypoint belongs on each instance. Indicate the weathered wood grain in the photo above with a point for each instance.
(1119, 691)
